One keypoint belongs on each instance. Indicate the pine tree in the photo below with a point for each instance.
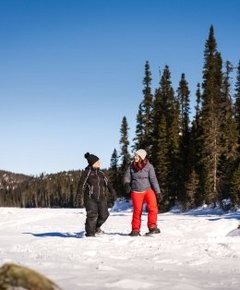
(237, 102)
(229, 125)
(184, 162)
(233, 176)
(159, 138)
(211, 118)
(192, 190)
(235, 185)
(174, 150)
(139, 139)
(195, 150)
(124, 155)
(144, 117)
(184, 103)
(114, 172)
(165, 137)
(124, 144)
(229, 135)
(114, 160)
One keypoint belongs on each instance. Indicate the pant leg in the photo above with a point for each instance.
(103, 213)
(137, 200)
(92, 216)
(150, 198)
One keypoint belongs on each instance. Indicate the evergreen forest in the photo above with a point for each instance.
(196, 159)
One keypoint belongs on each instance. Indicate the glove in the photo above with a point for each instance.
(127, 188)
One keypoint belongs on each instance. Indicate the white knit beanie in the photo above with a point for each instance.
(142, 153)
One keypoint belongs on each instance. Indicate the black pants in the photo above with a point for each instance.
(97, 213)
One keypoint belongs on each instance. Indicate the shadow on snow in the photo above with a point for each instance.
(57, 234)
(70, 235)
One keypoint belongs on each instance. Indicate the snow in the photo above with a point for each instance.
(199, 249)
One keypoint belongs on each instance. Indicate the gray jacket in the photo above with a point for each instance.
(142, 179)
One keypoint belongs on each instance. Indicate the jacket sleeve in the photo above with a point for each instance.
(153, 180)
(80, 188)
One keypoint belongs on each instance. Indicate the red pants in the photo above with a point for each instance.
(138, 200)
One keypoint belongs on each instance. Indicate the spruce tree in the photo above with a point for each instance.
(235, 185)
(124, 156)
(195, 150)
(237, 102)
(165, 137)
(229, 136)
(124, 144)
(229, 125)
(114, 172)
(114, 161)
(139, 139)
(183, 94)
(235, 168)
(192, 190)
(211, 118)
(144, 117)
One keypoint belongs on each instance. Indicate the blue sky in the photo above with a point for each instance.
(70, 70)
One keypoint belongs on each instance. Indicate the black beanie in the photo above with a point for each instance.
(91, 158)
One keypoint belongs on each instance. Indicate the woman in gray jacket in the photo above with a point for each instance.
(140, 179)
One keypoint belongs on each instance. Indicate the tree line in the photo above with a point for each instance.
(46, 190)
(196, 161)
(51, 190)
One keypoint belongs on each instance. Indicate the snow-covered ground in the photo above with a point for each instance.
(193, 251)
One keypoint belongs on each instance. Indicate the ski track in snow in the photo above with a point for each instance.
(192, 252)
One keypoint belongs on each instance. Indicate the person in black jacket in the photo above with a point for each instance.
(94, 187)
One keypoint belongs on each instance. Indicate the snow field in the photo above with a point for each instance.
(192, 252)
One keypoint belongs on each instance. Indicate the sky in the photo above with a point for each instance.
(196, 250)
(71, 70)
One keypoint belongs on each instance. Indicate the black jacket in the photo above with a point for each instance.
(94, 184)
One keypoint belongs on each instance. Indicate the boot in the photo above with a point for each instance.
(153, 231)
(89, 235)
(134, 234)
(99, 231)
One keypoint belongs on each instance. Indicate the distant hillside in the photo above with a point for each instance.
(10, 179)
(50, 190)
(46, 190)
